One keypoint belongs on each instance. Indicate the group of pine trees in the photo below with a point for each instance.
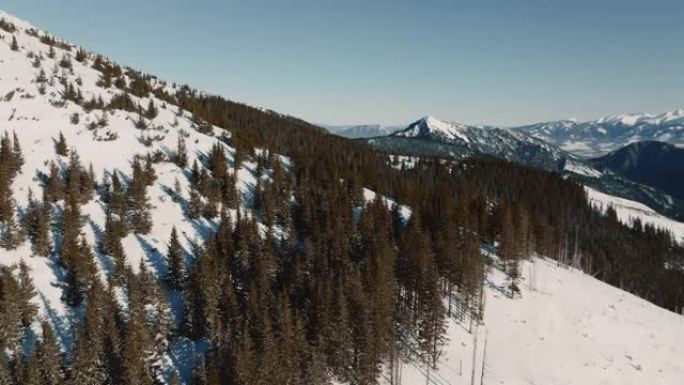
(302, 280)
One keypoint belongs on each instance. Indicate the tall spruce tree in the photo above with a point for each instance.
(175, 261)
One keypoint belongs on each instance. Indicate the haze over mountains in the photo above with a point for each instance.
(587, 139)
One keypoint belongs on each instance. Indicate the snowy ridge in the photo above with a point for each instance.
(627, 211)
(38, 117)
(600, 136)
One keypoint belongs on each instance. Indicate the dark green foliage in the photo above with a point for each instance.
(137, 200)
(81, 55)
(175, 261)
(16, 310)
(195, 204)
(122, 102)
(151, 111)
(181, 155)
(49, 358)
(14, 45)
(7, 26)
(61, 146)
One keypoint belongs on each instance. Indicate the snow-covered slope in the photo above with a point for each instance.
(566, 328)
(627, 211)
(598, 137)
(38, 117)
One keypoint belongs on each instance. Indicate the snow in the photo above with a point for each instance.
(582, 169)
(404, 211)
(37, 120)
(433, 126)
(565, 328)
(627, 211)
(571, 329)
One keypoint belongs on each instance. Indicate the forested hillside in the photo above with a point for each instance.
(154, 234)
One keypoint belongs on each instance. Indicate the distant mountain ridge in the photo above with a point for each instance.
(598, 137)
(653, 163)
(431, 137)
(361, 130)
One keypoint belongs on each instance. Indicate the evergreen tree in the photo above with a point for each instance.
(14, 45)
(31, 372)
(195, 204)
(181, 155)
(61, 146)
(11, 308)
(151, 111)
(48, 355)
(175, 261)
(16, 150)
(138, 202)
(54, 186)
(26, 292)
(118, 207)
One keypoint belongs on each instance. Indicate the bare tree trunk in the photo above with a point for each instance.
(472, 372)
(484, 352)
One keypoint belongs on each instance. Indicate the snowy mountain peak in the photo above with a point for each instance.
(431, 127)
(599, 137)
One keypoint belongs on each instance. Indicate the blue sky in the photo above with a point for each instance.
(341, 62)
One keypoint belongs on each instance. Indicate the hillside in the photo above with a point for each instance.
(153, 234)
(551, 334)
(656, 164)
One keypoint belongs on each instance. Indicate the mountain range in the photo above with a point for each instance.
(361, 130)
(597, 137)
(431, 137)
(586, 139)
(656, 164)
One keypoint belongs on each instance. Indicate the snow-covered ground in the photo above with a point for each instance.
(38, 118)
(571, 329)
(627, 211)
(566, 328)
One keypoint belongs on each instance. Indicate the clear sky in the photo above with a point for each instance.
(345, 61)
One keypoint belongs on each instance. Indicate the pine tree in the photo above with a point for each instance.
(181, 155)
(14, 46)
(175, 261)
(11, 234)
(150, 175)
(61, 146)
(51, 372)
(195, 204)
(137, 343)
(138, 202)
(177, 191)
(110, 244)
(11, 307)
(16, 149)
(31, 372)
(151, 111)
(118, 207)
(27, 291)
(54, 186)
